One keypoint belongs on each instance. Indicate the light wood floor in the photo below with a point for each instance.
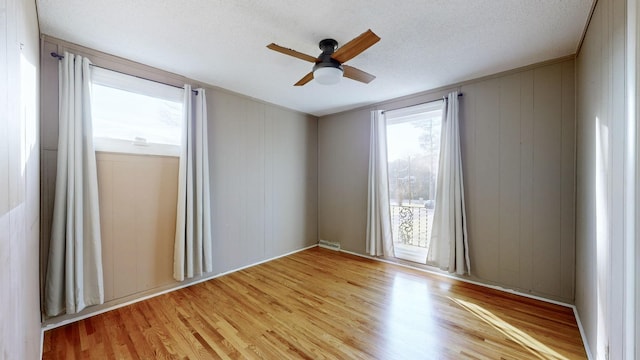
(320, 304)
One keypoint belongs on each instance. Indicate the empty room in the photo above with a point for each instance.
(319, 180)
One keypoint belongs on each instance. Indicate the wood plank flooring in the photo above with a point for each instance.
(321, 304)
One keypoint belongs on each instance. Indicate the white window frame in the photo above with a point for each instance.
(406, 115)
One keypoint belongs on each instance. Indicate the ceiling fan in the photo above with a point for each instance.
(329, 65)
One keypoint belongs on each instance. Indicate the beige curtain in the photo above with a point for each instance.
(379, 239)
(449, 247)
(74, 270)
(192, 250)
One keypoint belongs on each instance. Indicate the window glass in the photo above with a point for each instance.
(135, 115)
(413, 153)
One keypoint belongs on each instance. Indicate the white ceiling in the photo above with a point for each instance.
(425, 43)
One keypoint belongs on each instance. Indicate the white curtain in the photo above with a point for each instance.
(192, 250)
(449, 248)
(379, 239)
(74, 269)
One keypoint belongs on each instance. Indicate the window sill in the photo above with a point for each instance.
(129, 147)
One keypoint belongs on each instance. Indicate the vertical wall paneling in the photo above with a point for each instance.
(587, 99)
(138, 210)
(486, 242)
(254, 143)
(225, 160)
(547, 179)
(568, 160)
(602, 200)
(49, 145)
(632, 298)
(526, 181)
(510, 153)
(294, 192)
(270, 138)
(265, 195)
(617, 157)
(106, 197)
(518, 162)
(19, 180)
(125, 241)
(343, 168)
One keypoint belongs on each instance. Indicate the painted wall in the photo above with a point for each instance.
(19, 181)
(264, 180)
(600, 71)
(138, 221)
(518, 155)
(263, 163)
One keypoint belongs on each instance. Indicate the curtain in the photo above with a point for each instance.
(74, 270)
(192, 250)
(449, 248)
(379, 239)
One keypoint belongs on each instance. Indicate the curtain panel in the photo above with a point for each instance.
(449, 248)
(192, 250)
(378, 237)
(74, 271)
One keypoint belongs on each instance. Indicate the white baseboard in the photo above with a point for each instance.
(41, 343)
(447, 275)
(99, 309)
(582, 333)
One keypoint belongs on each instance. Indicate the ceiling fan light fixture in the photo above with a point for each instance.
(327, 75)
(328, 68)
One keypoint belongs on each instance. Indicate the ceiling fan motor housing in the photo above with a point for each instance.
(328, 46)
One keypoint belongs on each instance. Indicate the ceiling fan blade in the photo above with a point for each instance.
(291, 52)
(357, 74)
(305, 79)
(354, 47)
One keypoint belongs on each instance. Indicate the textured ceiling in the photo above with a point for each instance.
(425, 43)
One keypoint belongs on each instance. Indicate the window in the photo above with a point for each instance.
(134, 115)
(413, 153)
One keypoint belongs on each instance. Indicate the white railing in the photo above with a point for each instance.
(411, 224)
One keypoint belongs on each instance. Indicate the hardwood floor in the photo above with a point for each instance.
(319, 304)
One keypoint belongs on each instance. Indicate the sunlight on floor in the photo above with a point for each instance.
(534, 346)
(409, 329)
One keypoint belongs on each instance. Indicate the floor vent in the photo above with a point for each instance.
(329, 245)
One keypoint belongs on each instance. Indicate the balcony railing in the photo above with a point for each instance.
(411, 224)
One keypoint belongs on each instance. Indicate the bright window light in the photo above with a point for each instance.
(413, 155)
(133, 115)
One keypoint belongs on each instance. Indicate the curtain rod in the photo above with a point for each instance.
(60, 57)
(444, 98)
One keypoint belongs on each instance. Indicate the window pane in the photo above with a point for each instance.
(119, 114)
(413, 149)
(135, 115)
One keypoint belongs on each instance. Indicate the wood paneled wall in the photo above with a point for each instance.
(263, 163)
(138, 220)
(518, 139)
(602, 161)
(19, 180)
(264, 180)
